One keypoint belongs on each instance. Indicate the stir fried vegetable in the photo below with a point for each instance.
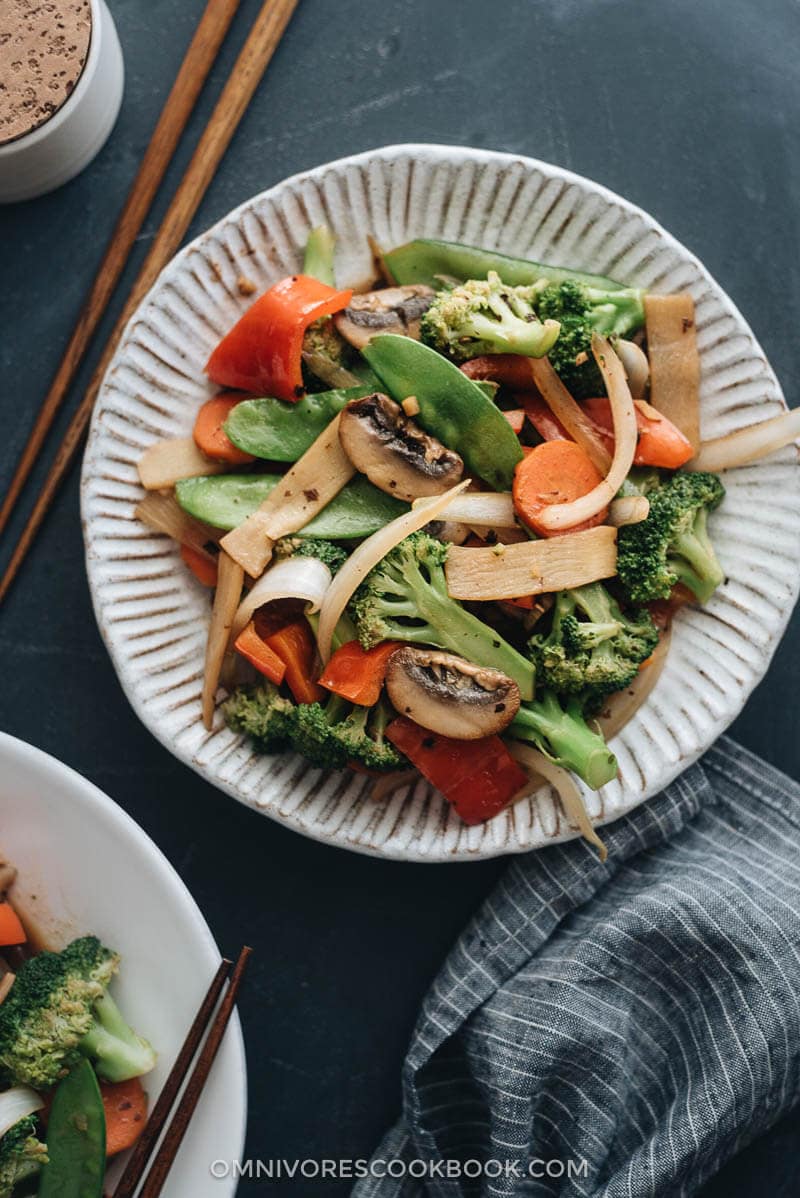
(484, 627)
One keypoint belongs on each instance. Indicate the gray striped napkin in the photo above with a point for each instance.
(616, 1029)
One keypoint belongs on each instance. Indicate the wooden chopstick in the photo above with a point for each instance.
(168, 1150)
(253, 60)
(158, 1116)
(194, 69)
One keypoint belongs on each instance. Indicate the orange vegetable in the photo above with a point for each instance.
(209, 435)
(357, 674)
(516, 418)
(125, 1105)
(201, 565)
(259, 654)
(295, 646)
(511, 370)
(262, 352)
(11, 929)
(660, 443)
(555, 472)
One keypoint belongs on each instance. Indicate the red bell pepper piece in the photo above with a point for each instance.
(11, 929)
(516, 418)
(510, 370)
(357, 674)
(479, 777)
(262, 352)
(295, 646)
(259, 654)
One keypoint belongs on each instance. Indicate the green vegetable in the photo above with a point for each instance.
(261, 713)
(429, 261)
(486, 316)
(226, 500)
(451, 407)
(592, 647)
(318, 259)
(672, 545)
(404, 598)
(332, 555)
(561, 733)
(282, 432)
(76, 1138)
(332, 734)
(581, 311)
(59, 1010)
(22, 1155)
(328, 735)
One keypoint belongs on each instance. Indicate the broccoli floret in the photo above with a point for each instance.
(561, 732)
(484, 316)
(22, 1155)
(672, 545)
(641, 480)
(327, 357)
(261, 713)
(332, 555)
(404, 598)
(333, 734)
(59, 1010)
(592, 648)
(581, 311)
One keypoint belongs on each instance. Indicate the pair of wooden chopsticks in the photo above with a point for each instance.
(247, 72)
(134, 1175)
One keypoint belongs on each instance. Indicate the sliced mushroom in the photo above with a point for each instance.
(393, 451)
(390, 310)
(450, 695)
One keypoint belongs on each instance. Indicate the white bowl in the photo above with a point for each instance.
(153, 616)
(86, 867)
(59, 149)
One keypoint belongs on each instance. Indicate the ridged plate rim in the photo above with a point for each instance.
(332, 808)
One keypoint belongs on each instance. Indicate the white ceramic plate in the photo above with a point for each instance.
(85, 866)
(153, 616)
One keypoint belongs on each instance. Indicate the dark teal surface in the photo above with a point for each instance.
(689, 109)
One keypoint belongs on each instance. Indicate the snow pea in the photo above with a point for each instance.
(451, 406)
(280, 431)
(424, 260)
(225, 500)
(76, 1138)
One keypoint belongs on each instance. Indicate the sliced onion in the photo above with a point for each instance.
(539, 766)
(291, 578)
(631, 509)
(487, 509)
(622, 706)
(17, 1103)
(569, 413)
(368, 554)
(748, 444)
(388, 783)
(560, 516)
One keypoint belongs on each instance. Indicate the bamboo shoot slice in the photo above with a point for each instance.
(230, 580)
(532, 568)
(163, 513)
(164, 463)
(674, 361)
(311, 483)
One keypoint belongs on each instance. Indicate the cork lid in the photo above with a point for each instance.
(43, 48)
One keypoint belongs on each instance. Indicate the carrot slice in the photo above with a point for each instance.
(201, 564)
(259, 654)
(555, 472)
(11, 929)
(660, 442)
(125, 1105)
(210, 436)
